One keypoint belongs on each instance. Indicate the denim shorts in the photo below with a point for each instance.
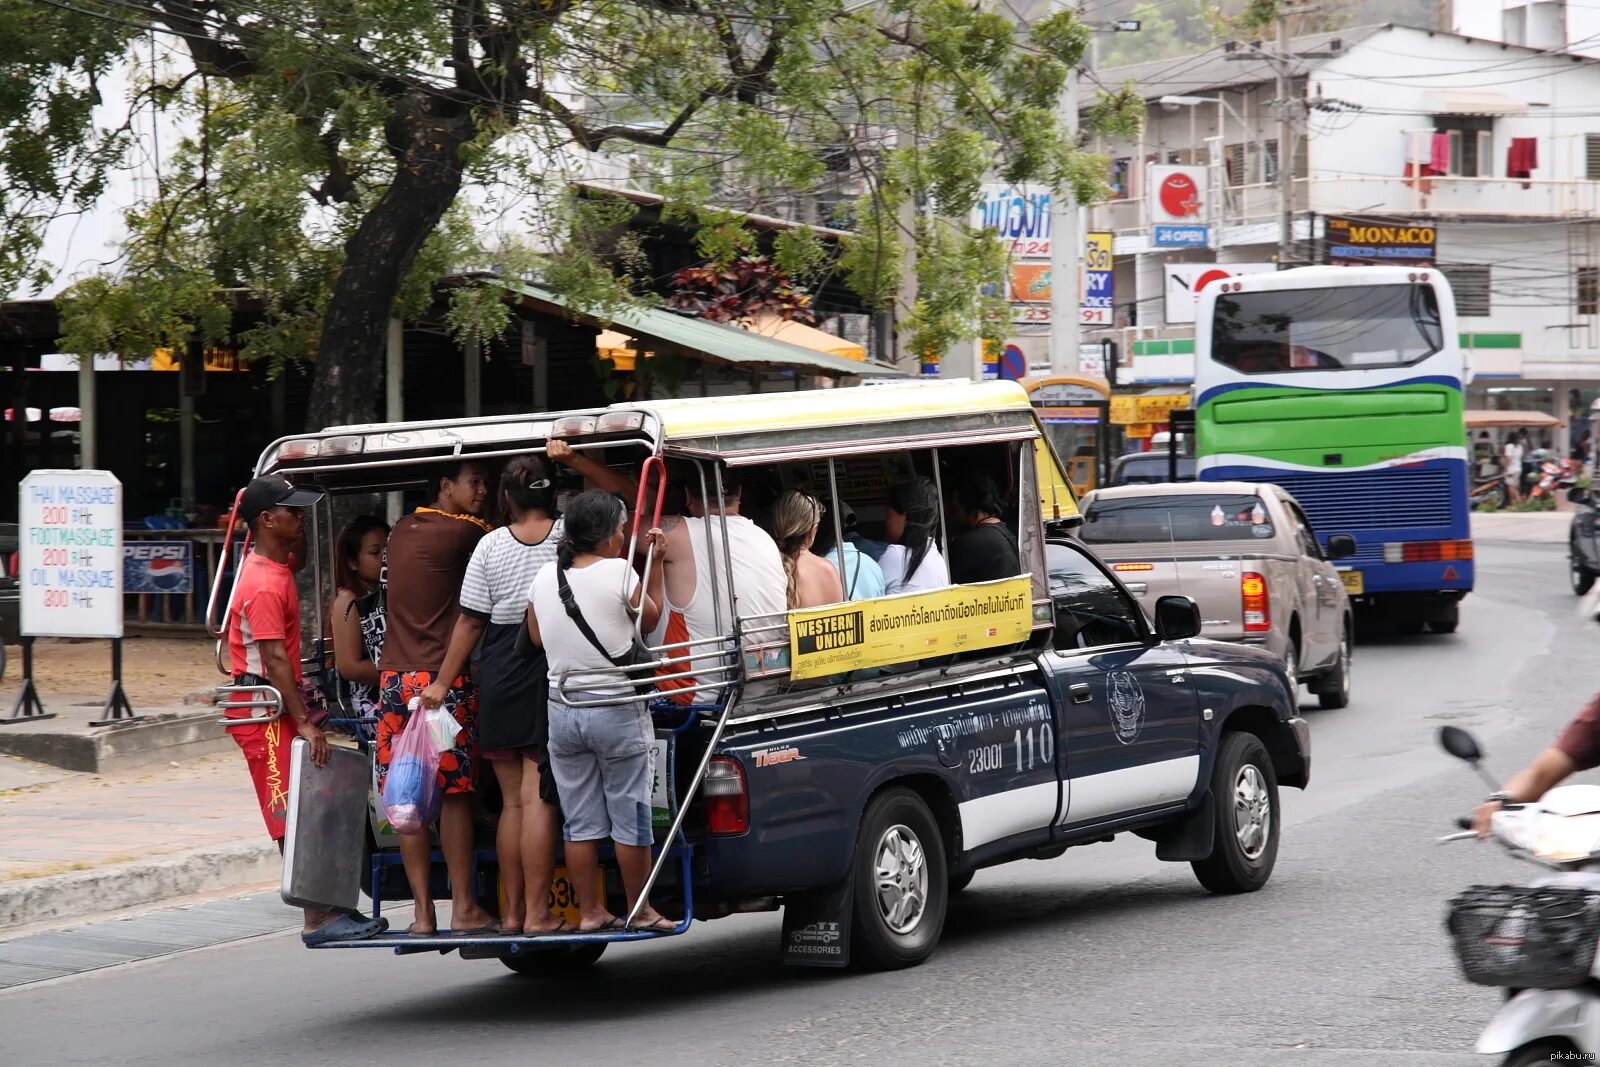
(601, 761)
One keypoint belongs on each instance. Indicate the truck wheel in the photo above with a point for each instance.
(1245, 790)
(556, 961)
(1446, 619)
(900, 896)
(1333, 691)
(1582, 577)
(1538, 1052)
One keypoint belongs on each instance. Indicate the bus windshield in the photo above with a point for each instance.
(1363, 327)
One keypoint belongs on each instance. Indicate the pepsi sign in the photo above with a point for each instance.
(157, 566)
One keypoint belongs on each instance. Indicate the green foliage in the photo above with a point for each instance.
(307, 115)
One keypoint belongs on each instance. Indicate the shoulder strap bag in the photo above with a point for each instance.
(637, 652)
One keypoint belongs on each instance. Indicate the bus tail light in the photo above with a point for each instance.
(1253, 594)
(1426, 551)
(727, 800)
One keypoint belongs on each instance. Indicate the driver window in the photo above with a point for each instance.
(1091, 610)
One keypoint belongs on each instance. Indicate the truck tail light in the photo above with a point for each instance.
(1253, 594)
(727, 801)
(1426, 551)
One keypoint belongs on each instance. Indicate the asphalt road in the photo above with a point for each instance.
(1101, 956)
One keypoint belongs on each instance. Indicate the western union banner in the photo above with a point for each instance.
(911, 626)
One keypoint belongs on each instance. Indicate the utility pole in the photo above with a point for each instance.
(1066, 250)
(1285, 144)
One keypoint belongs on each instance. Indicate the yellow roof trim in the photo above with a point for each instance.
(692, 417)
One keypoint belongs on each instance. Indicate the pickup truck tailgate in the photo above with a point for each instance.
(1212, 581)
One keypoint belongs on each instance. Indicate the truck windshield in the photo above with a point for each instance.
(1172, 517)
(1342, 328)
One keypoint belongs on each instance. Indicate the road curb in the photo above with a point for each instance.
(29, 901)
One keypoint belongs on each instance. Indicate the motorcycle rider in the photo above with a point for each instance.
(1576, 748)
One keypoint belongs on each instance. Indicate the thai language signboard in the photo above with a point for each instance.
(70, 549)
(911, 626)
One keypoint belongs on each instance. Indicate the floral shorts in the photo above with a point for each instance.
(396, 688)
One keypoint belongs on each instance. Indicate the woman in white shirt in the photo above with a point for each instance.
(600, 755)
(912, 561)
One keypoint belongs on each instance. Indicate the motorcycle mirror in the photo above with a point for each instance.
(1460, 744)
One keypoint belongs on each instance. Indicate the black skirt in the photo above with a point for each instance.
(513, 691)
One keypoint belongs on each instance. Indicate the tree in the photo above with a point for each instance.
(329, 143)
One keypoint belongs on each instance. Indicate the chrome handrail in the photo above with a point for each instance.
(273, 700)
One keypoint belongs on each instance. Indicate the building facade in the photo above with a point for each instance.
(1483, 155)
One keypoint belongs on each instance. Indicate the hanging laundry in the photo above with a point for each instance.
(1439, 158)
(1522, 158)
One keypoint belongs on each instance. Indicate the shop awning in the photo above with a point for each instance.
(615, 345)
(663, 331)
(1472, 102)
(1500, 420)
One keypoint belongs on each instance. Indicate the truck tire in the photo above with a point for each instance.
(900, 896)
(555, 961)
(1444, 620)
(1582, 577)
(1537, 1052)
(1333, 688)
(1245, 789)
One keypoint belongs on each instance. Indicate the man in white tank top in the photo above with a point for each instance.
(694, 601)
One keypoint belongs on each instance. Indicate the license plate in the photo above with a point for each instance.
(1353, 582)
(563, 897)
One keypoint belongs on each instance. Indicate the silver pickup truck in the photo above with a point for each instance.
(1247, 555)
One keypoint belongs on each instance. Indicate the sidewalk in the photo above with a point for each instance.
(73, 844)
(1524, 527)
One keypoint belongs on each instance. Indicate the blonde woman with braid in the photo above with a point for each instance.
(811, 580)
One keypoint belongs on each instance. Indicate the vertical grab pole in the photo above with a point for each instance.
(219, 629)
(838, 531)
(659, 465)
(938, 485)
(677, 820)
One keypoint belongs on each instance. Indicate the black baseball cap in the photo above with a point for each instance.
(273, 491)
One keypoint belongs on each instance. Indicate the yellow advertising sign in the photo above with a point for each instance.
(1131, 410)
(911, 626)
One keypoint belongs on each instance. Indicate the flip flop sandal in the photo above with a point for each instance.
(661, 925)
(613, 923)
(561, 927)
(412, 931)
(344, 928)
(479, 931)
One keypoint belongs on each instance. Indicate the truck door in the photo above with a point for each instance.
(1129, 734)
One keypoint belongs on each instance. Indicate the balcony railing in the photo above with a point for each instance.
(1242, 205)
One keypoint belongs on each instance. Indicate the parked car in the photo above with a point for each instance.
(1248, 556)
(1148, 468)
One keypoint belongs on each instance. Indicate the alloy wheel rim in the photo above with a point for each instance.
(900, 869)
(1291, 665)
(1252, 811)
(1344, 666)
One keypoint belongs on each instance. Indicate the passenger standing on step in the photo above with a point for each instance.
(582, 613)
(427, 558)
(264, 650)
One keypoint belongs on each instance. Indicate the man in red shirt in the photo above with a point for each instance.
(264, 650)
(1577, 748)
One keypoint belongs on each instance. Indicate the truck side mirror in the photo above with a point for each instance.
(1177, 617)
(1341, 546)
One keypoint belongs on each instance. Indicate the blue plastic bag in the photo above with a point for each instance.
(411, 794)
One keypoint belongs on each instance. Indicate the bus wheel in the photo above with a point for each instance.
(556, 960)
(900, 884)
(1444, 620)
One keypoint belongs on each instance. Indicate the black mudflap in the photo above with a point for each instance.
(816, 927)
(1192, 839)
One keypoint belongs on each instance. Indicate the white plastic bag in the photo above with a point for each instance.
(442, 726)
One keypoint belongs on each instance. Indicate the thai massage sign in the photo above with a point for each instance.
(70, 548)
(1355, 241)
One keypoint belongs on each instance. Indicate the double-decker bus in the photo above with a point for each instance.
(1344, 385)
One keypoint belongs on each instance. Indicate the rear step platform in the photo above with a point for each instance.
(402, 942)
